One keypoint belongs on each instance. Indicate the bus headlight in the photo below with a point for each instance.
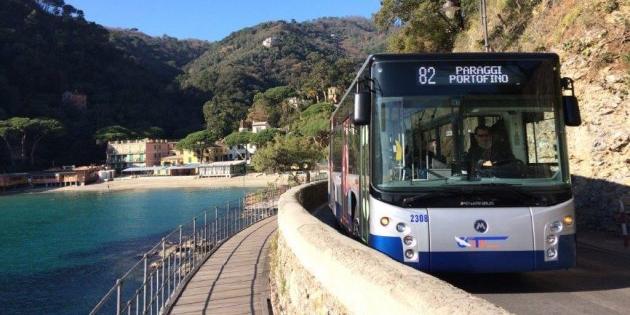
(551, 252)
(552, 239)
(400, 227)
(409, 253)
(568, 220)
(408, 240)
(555, 227)
(384, 221)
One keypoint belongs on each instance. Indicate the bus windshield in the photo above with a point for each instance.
(466, 139)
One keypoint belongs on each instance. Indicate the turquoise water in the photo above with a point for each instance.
(60, 252)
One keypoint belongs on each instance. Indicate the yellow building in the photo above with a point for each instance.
(210, 154)
(190, 157)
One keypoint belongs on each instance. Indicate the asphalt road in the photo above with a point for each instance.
(599, 284)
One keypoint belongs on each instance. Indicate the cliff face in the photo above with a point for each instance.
(592, 39)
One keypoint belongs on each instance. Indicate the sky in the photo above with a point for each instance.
(212, 19)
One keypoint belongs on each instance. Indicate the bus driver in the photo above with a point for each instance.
(486, 153)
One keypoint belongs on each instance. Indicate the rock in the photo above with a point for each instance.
(613, 78)
(620, 140)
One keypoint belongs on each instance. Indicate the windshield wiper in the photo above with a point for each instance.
(512, 189)
(408, 201)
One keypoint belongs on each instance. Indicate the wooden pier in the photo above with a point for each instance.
(235, 279)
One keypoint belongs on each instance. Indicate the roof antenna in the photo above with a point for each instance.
(484, 25)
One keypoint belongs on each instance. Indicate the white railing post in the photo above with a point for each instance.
(118, 295)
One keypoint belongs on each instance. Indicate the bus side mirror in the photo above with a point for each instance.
(362, 109)
(571, 111)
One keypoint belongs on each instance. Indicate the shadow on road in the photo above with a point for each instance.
(595, 271)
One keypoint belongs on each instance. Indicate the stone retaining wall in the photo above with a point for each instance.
(316, 270)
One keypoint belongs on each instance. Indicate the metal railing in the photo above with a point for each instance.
(153, 284)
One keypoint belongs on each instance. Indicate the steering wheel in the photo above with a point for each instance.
(508, 168)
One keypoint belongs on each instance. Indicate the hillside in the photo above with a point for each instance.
(48, 51)
(55, 64)
(164, 55)
(291, 44)
(592, 39)
(309, 57)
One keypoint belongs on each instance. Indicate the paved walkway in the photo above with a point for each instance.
(235, 279)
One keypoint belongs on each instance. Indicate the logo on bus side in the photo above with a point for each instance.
(479, 241)
(481, 226)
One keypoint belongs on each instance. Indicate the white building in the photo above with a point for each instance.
(222, 169)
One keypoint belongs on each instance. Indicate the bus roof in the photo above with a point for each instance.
(466, 56)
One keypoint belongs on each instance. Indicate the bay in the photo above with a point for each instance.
(60, 252)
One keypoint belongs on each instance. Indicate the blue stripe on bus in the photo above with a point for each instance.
(480, 261)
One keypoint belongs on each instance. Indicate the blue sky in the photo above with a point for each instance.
(212, 19)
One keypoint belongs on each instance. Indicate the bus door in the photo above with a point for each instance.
(364, 182)
(344, 175)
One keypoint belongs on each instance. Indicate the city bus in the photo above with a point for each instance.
(457, 162)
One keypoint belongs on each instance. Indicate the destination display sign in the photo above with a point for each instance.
(466, 74)
(464, 77)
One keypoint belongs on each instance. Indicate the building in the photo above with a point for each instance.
(71, 176)
(269, 42)
(244, 126)
(258, 126)
(213, 153)
(13, 180)
(137, 153)
(106, 175)
(297, 103)
(222, 169)
(74, 99)
(333, 95)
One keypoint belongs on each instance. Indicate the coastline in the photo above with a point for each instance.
(163, 182)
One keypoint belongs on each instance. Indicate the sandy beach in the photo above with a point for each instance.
(162, 182)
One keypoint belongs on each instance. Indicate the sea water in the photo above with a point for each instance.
(61, 252)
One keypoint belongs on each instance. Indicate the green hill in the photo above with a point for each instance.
(48, 49)
(55, 64)
(164, 55)
(309, 57)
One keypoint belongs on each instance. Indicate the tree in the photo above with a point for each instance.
(114, 133)
(222, 114)
(153, 133)
(287, 154)
(42, 128)
(22, 135)
(198, 141)
(238, 138)
(265, 136)
(421, 26)
(314, 123)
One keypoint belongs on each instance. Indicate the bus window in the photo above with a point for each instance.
(337, 147)
(542, 151)
(430, 140)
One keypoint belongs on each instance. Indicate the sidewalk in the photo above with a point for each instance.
(611, 243)
(235, 279)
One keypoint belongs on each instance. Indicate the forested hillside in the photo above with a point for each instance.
(99, 84)
(309, 57)
(163, 55)
(55, 64)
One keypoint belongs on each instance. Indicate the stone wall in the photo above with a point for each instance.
(316, 270)
(294, 290)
